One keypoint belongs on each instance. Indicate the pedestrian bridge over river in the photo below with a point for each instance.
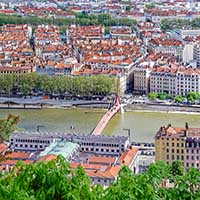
(117, 106)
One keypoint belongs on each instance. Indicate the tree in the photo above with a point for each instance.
(150, 6)
(128, 8)
(8, 126)
(152, 96)
(56, 180)
(177, 168)
(163, 96)
(179, 99)
(192, 97)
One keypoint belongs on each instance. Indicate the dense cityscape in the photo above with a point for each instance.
(111, 57)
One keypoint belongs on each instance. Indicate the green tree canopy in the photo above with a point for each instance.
(56, 180)
(8, 126)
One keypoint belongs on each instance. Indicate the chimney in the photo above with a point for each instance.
(169, 125)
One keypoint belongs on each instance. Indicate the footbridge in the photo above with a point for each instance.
(117, 106)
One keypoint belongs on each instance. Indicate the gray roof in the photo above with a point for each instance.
(70, 137)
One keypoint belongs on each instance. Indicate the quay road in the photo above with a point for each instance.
(40, 102)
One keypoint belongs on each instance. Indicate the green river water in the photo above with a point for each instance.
(143, 125)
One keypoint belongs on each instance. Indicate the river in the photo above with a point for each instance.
(143, 125)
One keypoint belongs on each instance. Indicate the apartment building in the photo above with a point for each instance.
(167, 46)
(141, 79)
(170, 144)
(192, 152)
(174, 143)
(183, 33)
(196, 54)
(175, 80)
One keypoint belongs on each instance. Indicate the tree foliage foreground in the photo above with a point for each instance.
(56, 180)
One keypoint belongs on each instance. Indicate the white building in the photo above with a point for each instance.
(30, 141)
(188, 53)
(183, 33)
(175, 80)
(167, 46)
(196, 54)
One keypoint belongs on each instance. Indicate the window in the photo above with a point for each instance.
(102, 150)
(172, 144)
(92, 149)
(97, 149)
(21, 145)
(107, 150)
(172, 157)
(167, 157)
(36, 146)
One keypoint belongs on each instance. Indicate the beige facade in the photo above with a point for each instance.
(170, 144)
(141, 78)
(173, 143)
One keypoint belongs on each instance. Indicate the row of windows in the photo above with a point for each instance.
(193, 150)
(192, 157)
(193, 144)
(177, 150)
(173, 157)
(173, 144)
(101, 144)
(33, 141)
(101, 150)
(192, 164)
(30, 146)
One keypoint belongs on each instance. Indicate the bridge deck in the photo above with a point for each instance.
(105, 119)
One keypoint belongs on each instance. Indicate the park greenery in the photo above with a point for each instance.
(80, 19)
(191, 97)
(27, 84)
(8, 126)
(56, 180)
(170, 24)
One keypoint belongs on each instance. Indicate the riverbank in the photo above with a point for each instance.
(16, 103)
(164, 108)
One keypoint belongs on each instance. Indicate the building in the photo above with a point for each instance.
(61, 147)
(101, 144)
(141, 79)
(192, 152)
(30, 141)
(121, 32)
(196, 54)
(37, 141)
(174, 143)
(183, 33)
(167, 46)
(175, 80)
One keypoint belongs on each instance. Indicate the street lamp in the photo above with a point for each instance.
(38, 127)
